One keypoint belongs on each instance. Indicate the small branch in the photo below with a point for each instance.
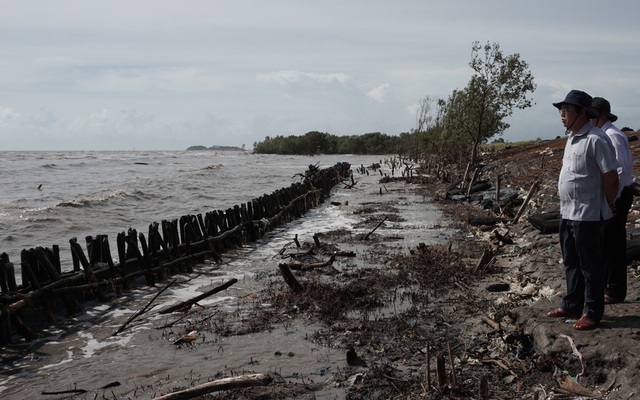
(374, 229)
(490, 322)
(302, 254)
(144, 309)
(196, 299)
(501, 365)
(309, 267)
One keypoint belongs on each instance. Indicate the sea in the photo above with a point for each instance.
(50, 197)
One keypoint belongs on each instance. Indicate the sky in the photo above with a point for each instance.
(166, 75)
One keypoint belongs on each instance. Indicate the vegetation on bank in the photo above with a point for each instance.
(448, 130)
(324, 143)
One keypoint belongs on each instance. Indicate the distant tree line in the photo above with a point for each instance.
(447, 130)
(315, 142)
(215, 148)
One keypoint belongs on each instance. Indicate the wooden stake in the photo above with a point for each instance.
(454, 381)
(441, 371)
(483, 391)
(428, 371)
(290, 279)
(532, 190)
(473, 180)
(487, 256)
(466, 174)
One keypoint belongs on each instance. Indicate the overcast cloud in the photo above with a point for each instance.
(165, 75)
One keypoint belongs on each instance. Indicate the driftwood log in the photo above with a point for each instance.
(236, 382)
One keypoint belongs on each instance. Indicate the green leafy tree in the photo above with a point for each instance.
(353, 144)
(500, 84)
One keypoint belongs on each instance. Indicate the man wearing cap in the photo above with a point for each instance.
(587, 187)
(615, 229)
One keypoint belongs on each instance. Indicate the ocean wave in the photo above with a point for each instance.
(99, 199)
(11, 212)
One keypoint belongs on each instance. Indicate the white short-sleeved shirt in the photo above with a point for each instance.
(587, 156)
(620, 143)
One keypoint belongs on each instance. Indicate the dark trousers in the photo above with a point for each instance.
(581, 246)
(614, 247)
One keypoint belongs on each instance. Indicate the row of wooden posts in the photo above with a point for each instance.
(170, 247)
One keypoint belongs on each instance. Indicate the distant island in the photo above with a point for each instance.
(217, 148)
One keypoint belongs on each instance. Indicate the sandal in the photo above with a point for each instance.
(562, 313)
(585, 323)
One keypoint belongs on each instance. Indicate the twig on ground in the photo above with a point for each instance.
(374, 229)
(143, 310)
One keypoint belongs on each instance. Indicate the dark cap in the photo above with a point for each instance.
(605, 108)
(580, 99)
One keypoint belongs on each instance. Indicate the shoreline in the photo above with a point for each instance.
(395, 305)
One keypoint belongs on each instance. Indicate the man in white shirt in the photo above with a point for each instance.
(587, 187)
(615, 229)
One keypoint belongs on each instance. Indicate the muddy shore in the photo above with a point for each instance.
(478, 326)
(403, 291)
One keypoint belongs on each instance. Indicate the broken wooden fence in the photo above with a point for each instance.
(169, 247)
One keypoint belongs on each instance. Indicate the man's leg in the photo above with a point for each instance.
(615, 248)
(589, 248)
(573, 301)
